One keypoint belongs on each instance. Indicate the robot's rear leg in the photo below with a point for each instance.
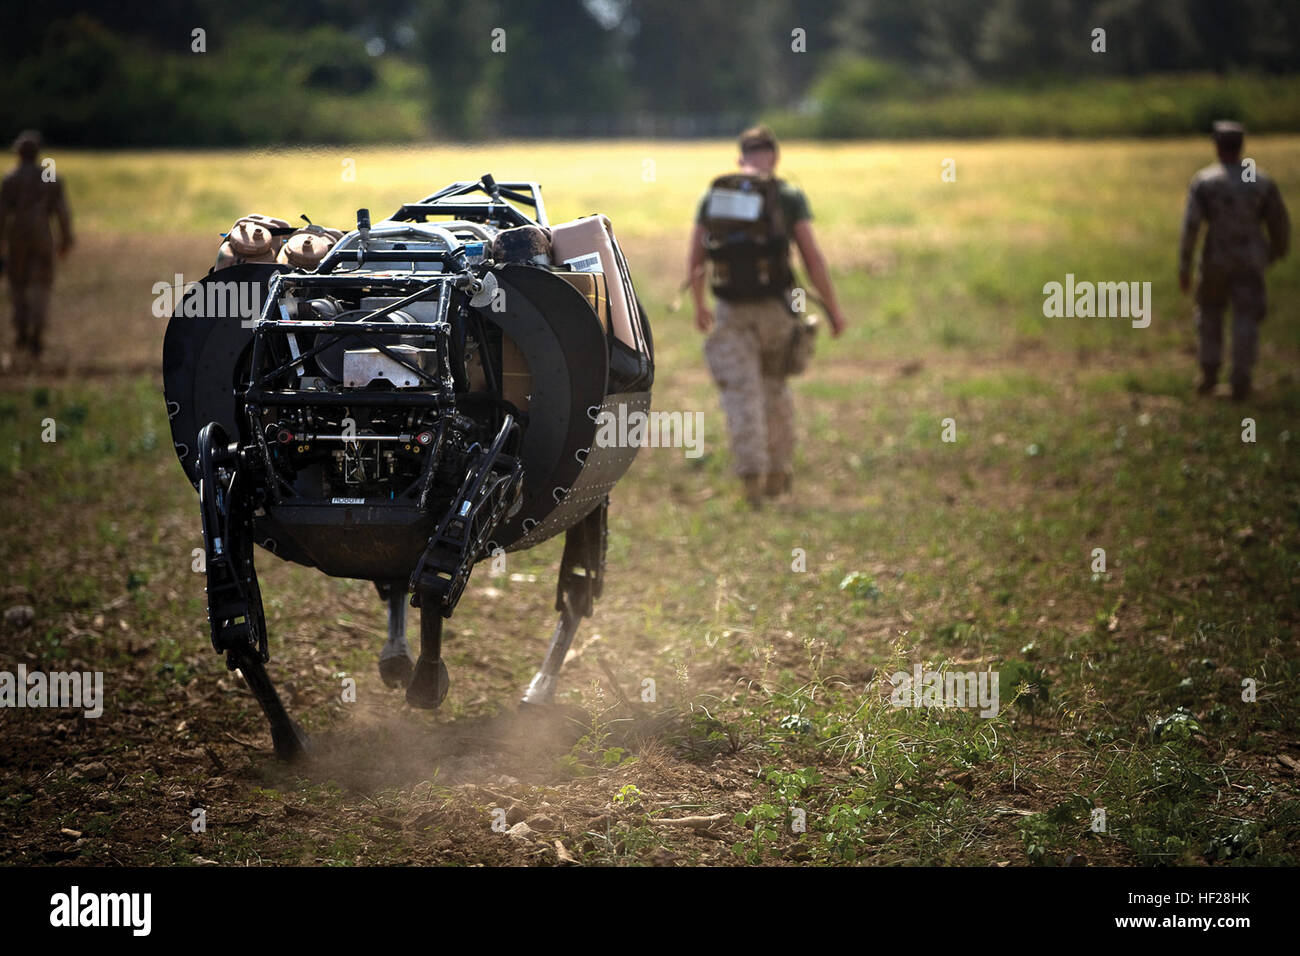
(582, 572)
(395, 664)
(541, 689)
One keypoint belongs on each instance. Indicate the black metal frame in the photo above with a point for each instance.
(501, 210)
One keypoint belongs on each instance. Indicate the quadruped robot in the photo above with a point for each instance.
(399, 402)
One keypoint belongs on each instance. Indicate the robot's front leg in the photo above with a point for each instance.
(430, 681)
(289, 739)
(582, 572)
(395, 667)
(234, 598)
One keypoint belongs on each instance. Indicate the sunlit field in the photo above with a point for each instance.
(1157, 683)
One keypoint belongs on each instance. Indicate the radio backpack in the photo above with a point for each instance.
(746, 237)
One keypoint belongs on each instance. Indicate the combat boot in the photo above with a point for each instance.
(1209, 378)
(779, 483)
(753, 489)
(1240, 391)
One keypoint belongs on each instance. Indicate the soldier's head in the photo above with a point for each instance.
(759, 150)
(28, 145)
(1228, 138)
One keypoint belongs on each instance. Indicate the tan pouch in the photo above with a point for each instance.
(803, 337)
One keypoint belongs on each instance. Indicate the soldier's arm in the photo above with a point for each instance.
(4, 215)
(64, 217)
(1278, 224)
(1192, 217)
(695, 278)
(818, 274)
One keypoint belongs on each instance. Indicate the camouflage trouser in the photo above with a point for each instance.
(746, 354)
(31, 276)
(1245, 292)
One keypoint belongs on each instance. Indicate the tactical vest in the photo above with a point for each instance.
(746, 237)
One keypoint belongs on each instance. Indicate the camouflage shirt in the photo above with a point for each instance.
(1233, 210)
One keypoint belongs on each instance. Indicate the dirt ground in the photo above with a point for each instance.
(181, 772)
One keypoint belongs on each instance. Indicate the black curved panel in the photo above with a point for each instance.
(201, 356)
(599, 470)
(565, 348)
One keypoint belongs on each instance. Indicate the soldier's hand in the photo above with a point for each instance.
(1184, 282)
(837, 323)
(703, 318)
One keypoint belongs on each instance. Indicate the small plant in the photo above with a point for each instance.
(860, 585)
(1014, 675)
(1176, 728)
(796, 724)
(1047, 835)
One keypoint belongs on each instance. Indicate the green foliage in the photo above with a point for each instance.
(281, 72)
(885, 107)
(1047, 836)
(1176, 728)
(94, 86)
(628, 794)
(860, 585)
(1024, 683)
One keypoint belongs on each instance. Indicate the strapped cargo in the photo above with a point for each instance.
(747, 237)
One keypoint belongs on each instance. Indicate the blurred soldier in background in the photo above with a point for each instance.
(744, 226)
(1232, 198)
(28, 199)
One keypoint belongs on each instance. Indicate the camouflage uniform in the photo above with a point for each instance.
(1233, 261)
(27, 202)
(746, 353)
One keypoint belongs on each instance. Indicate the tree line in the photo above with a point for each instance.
(136, 73)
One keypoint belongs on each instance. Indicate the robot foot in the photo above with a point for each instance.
(429, 684)
(291, 742)
(540, 691)
(396, 671)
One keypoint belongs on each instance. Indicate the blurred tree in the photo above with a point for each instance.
(101, 70)
(559, 60)
(453, 40)
(1035, 38)
(1148, 35)
(717, 56)
(936, 39)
